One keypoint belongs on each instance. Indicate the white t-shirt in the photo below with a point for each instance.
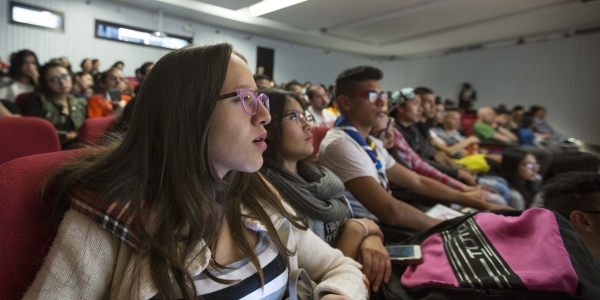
(10, 90)
(326, 121)
(348, 160)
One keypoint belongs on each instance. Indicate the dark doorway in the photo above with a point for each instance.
(265, 58)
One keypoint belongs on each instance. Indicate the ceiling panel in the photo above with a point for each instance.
(316, 14)
(442, 16)
(231, 4)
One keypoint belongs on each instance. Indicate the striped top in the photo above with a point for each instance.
(247, 285)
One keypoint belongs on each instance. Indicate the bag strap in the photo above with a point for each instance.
(293, 283)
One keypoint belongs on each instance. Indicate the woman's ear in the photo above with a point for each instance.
(580, 221)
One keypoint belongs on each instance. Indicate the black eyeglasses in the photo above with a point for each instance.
(56, 79)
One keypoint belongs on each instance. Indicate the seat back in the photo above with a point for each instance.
(93, 128)
(318, 136)
(468, 125)
(26, 136)
(19, 100)
(24, 233)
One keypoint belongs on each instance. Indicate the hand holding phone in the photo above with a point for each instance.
(405, 254)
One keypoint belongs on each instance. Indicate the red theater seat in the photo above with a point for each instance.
(93, 128)
(318, 136)
(26, 136)
(24, 233)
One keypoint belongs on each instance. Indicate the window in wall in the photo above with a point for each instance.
(36, 16)
(144, 37)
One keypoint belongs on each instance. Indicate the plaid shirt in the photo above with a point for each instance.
(412, 160)
(118, 218)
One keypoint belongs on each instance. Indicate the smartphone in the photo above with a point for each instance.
(405, 254)
(115, 95)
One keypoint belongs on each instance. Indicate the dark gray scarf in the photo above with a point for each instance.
(320, 196)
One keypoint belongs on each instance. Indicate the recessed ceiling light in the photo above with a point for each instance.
(267, 6)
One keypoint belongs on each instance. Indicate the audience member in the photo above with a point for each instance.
(314, 191)
(262, 81)
(86, 65)
(5, 112)
(576, 196)
(82, 85)
(144, 70)
(201, 220)
(407, 113)
(541, 127)
(119, 65)
(448, 138)
(112, 100)
(486, 128)
(23, 76)
(296, 88)
(318, 100)
(525, 131)
(521, 170)
(364, 166)
(466, 97)
(54, 103)
(95, 67)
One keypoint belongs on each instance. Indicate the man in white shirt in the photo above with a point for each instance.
(364, 166)
(319, 100)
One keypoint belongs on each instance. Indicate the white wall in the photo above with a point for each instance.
(78, 41)
(562, 75)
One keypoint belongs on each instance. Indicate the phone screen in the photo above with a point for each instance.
(401, 251)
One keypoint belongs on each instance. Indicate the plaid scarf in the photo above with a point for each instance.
(116, 217)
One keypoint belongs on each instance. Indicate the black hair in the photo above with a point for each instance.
(573, 161)
(511, 159)
(43, 84)
(527, 120)
(278, 100)
(572, 191)
(422, 90)
(95, 60)
(83, 62)
(345, 82)
(118, 62)
(517, 107)
(17, 59)
(145, 66)
(535, 108)
(258, 77)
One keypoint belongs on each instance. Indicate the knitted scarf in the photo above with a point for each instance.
(320, 196)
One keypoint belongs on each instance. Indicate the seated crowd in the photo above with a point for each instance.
(207, 158)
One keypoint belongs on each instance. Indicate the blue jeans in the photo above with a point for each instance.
(499, 184)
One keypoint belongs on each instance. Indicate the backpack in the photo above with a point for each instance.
(531, 254)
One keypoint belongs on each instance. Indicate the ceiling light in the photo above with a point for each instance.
(267, 6)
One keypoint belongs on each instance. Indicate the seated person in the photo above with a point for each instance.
(364, 166)
(525, 131)
(487, 130)
(262, 81)
(194, 216)
(82, 85)
(23, 76)
(55, 103)
(318, 100)
(112, 84)
(9, 109)
(397, 146)
(521, 170)
(407, 111)
(314, 191)
(576, 196)
(447, 138)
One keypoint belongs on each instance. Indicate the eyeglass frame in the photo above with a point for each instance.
(531, 166)
(305, 117)
(57, 79)
(239, 93)
(383, 95)
(387, 127)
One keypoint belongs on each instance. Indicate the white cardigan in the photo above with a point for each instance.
(86, 261)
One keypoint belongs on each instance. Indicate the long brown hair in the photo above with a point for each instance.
(164, 162)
